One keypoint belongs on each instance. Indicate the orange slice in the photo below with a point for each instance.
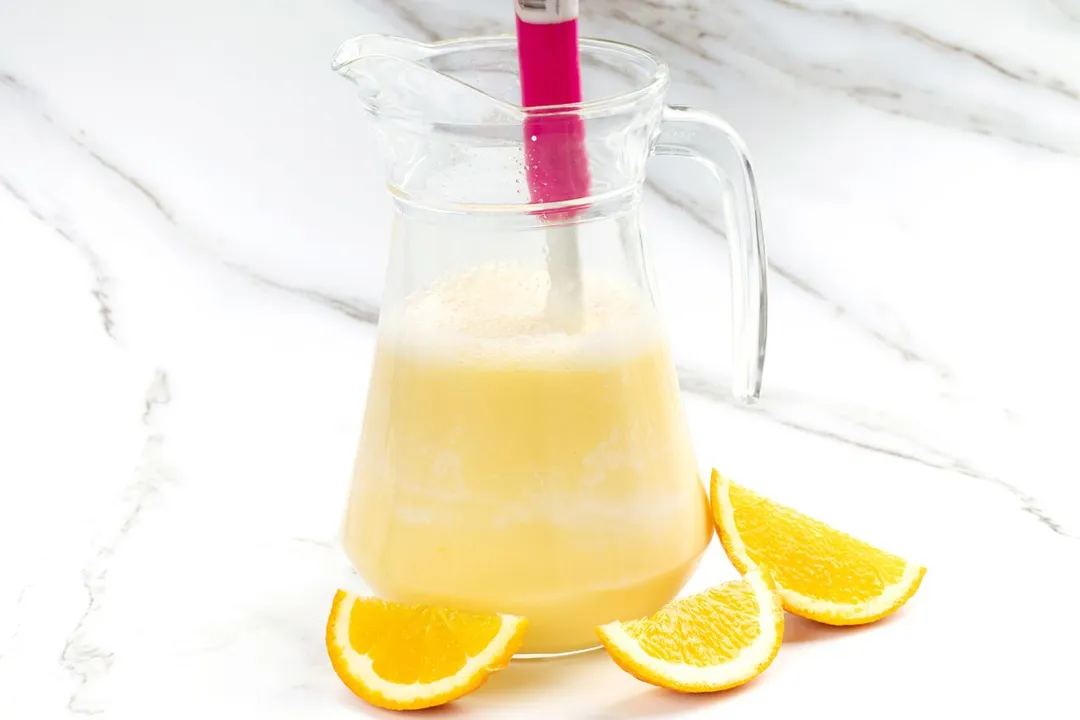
(823, 574)
(407, 657)
(711, 641)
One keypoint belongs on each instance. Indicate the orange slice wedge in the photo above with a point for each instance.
(823, 574)
(707, 642)
(408, 657)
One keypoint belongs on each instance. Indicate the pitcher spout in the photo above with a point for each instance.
(375, 63)
(374, 45)
(402, 78)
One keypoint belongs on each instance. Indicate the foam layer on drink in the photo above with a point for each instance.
(498, 312)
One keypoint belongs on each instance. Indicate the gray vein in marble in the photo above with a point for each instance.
(21, 88)
(85, 660)
(1069, 8)
(459, 24)
(895, 92)
(837, 310)
(101, 281)
(139, 186)
(1024, 75)
(354, 308)
(82, 655)
(10, 642)
(687, 30)
(696, 383)
(327, 544)
(411, 18)
(866, 91)
(79, 140)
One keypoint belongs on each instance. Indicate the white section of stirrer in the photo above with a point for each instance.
(544, 12)
(564, 299)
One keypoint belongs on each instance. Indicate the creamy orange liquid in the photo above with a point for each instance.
(509, 466)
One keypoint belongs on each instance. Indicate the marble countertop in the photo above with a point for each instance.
(193, 231)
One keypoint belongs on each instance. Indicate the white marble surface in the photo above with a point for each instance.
(192, 236)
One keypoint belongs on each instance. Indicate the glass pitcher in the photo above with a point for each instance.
(524, 449)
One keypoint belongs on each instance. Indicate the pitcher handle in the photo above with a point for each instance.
(708, 139)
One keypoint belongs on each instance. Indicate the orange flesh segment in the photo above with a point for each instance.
(408, 657)
(394, 637)
(688, 631)
(808, 556)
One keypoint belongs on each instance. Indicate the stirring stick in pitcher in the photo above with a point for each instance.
(556, 161)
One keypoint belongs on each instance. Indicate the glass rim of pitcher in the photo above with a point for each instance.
(658, 79)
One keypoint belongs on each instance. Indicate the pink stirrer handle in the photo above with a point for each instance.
(557, 163)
